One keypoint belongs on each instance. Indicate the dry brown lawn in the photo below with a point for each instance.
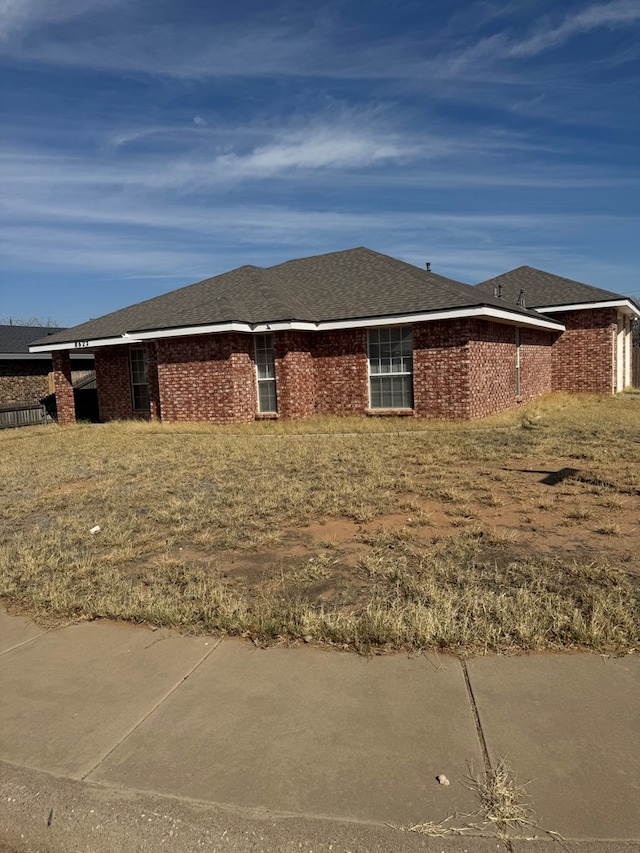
(515, 533)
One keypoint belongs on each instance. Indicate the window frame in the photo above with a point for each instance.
(399, 372)
(264, 358)
(140, 391)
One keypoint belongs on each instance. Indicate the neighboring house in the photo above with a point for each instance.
(346, 333)
(594, 353)
(23, 374)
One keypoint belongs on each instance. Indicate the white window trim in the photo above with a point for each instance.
(371, 375)
(135, 385)
(260, 411)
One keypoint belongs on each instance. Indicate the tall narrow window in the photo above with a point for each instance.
(391, 368)
(266, 373)
(139, 380)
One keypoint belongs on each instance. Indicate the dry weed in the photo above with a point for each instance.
(156, 489)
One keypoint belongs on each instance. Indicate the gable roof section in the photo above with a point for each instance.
(545, 291)
(15, 340)
(353, 287)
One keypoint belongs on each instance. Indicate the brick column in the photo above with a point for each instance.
(154, 387)
(65, 403)
(295, 374)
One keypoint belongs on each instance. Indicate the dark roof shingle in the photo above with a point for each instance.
(16, 339)
(352, 284)
(544, 289)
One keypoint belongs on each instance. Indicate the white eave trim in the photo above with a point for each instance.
(77, 347)
(625, 305)
(221, 328)
(481, 311)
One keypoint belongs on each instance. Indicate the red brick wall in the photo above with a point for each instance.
(65, 402)
(155, 413)
(584, 355)
(341, 372)
(441, 369)
(467, 368)
(536, 357)
(295, 374)
(113, 378)
(462, 369)
(207, 378)
(492, 368)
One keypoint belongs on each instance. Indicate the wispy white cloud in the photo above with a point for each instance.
(618, 13)
(543, 37)
(20, 17)
(315, 149)
(468, 247)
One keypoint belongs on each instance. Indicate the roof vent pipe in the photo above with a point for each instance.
(520, 300)
(497, 291)
(428, 266)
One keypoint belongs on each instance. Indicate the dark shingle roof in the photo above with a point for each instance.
(16, 339)
(356, 283)
(544, 289)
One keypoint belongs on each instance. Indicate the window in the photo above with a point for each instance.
(266, 373)
(139, 380)
(391, 368)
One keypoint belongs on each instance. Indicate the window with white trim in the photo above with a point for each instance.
(266, 373)
(390, 351)
(139, 379)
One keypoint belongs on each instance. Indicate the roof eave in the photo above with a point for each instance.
(80, 347)
(627, 306)
(478, 311)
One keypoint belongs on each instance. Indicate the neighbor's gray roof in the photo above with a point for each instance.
(16, 339)
(353, 284)
(544, 289)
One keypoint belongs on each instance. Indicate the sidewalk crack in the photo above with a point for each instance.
(476, 717)
(152, 710)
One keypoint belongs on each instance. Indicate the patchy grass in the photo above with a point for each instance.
(503, 810)
(511, 534)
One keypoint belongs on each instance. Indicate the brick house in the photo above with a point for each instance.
(594, 353)
(24, 375)
(346, 333)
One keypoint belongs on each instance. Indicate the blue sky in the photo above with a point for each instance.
(146, 144)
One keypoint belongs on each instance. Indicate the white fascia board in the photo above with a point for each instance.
(185, 331)
(626, 305)
(221, 328)
(483, 312)
(289, 326)
(302, 326)
(78, 346)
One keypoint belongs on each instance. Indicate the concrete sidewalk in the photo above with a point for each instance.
(303, 748)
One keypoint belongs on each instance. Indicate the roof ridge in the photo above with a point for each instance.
(443, 281)
(552, 276)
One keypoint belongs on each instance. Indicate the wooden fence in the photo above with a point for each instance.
(17, 416)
